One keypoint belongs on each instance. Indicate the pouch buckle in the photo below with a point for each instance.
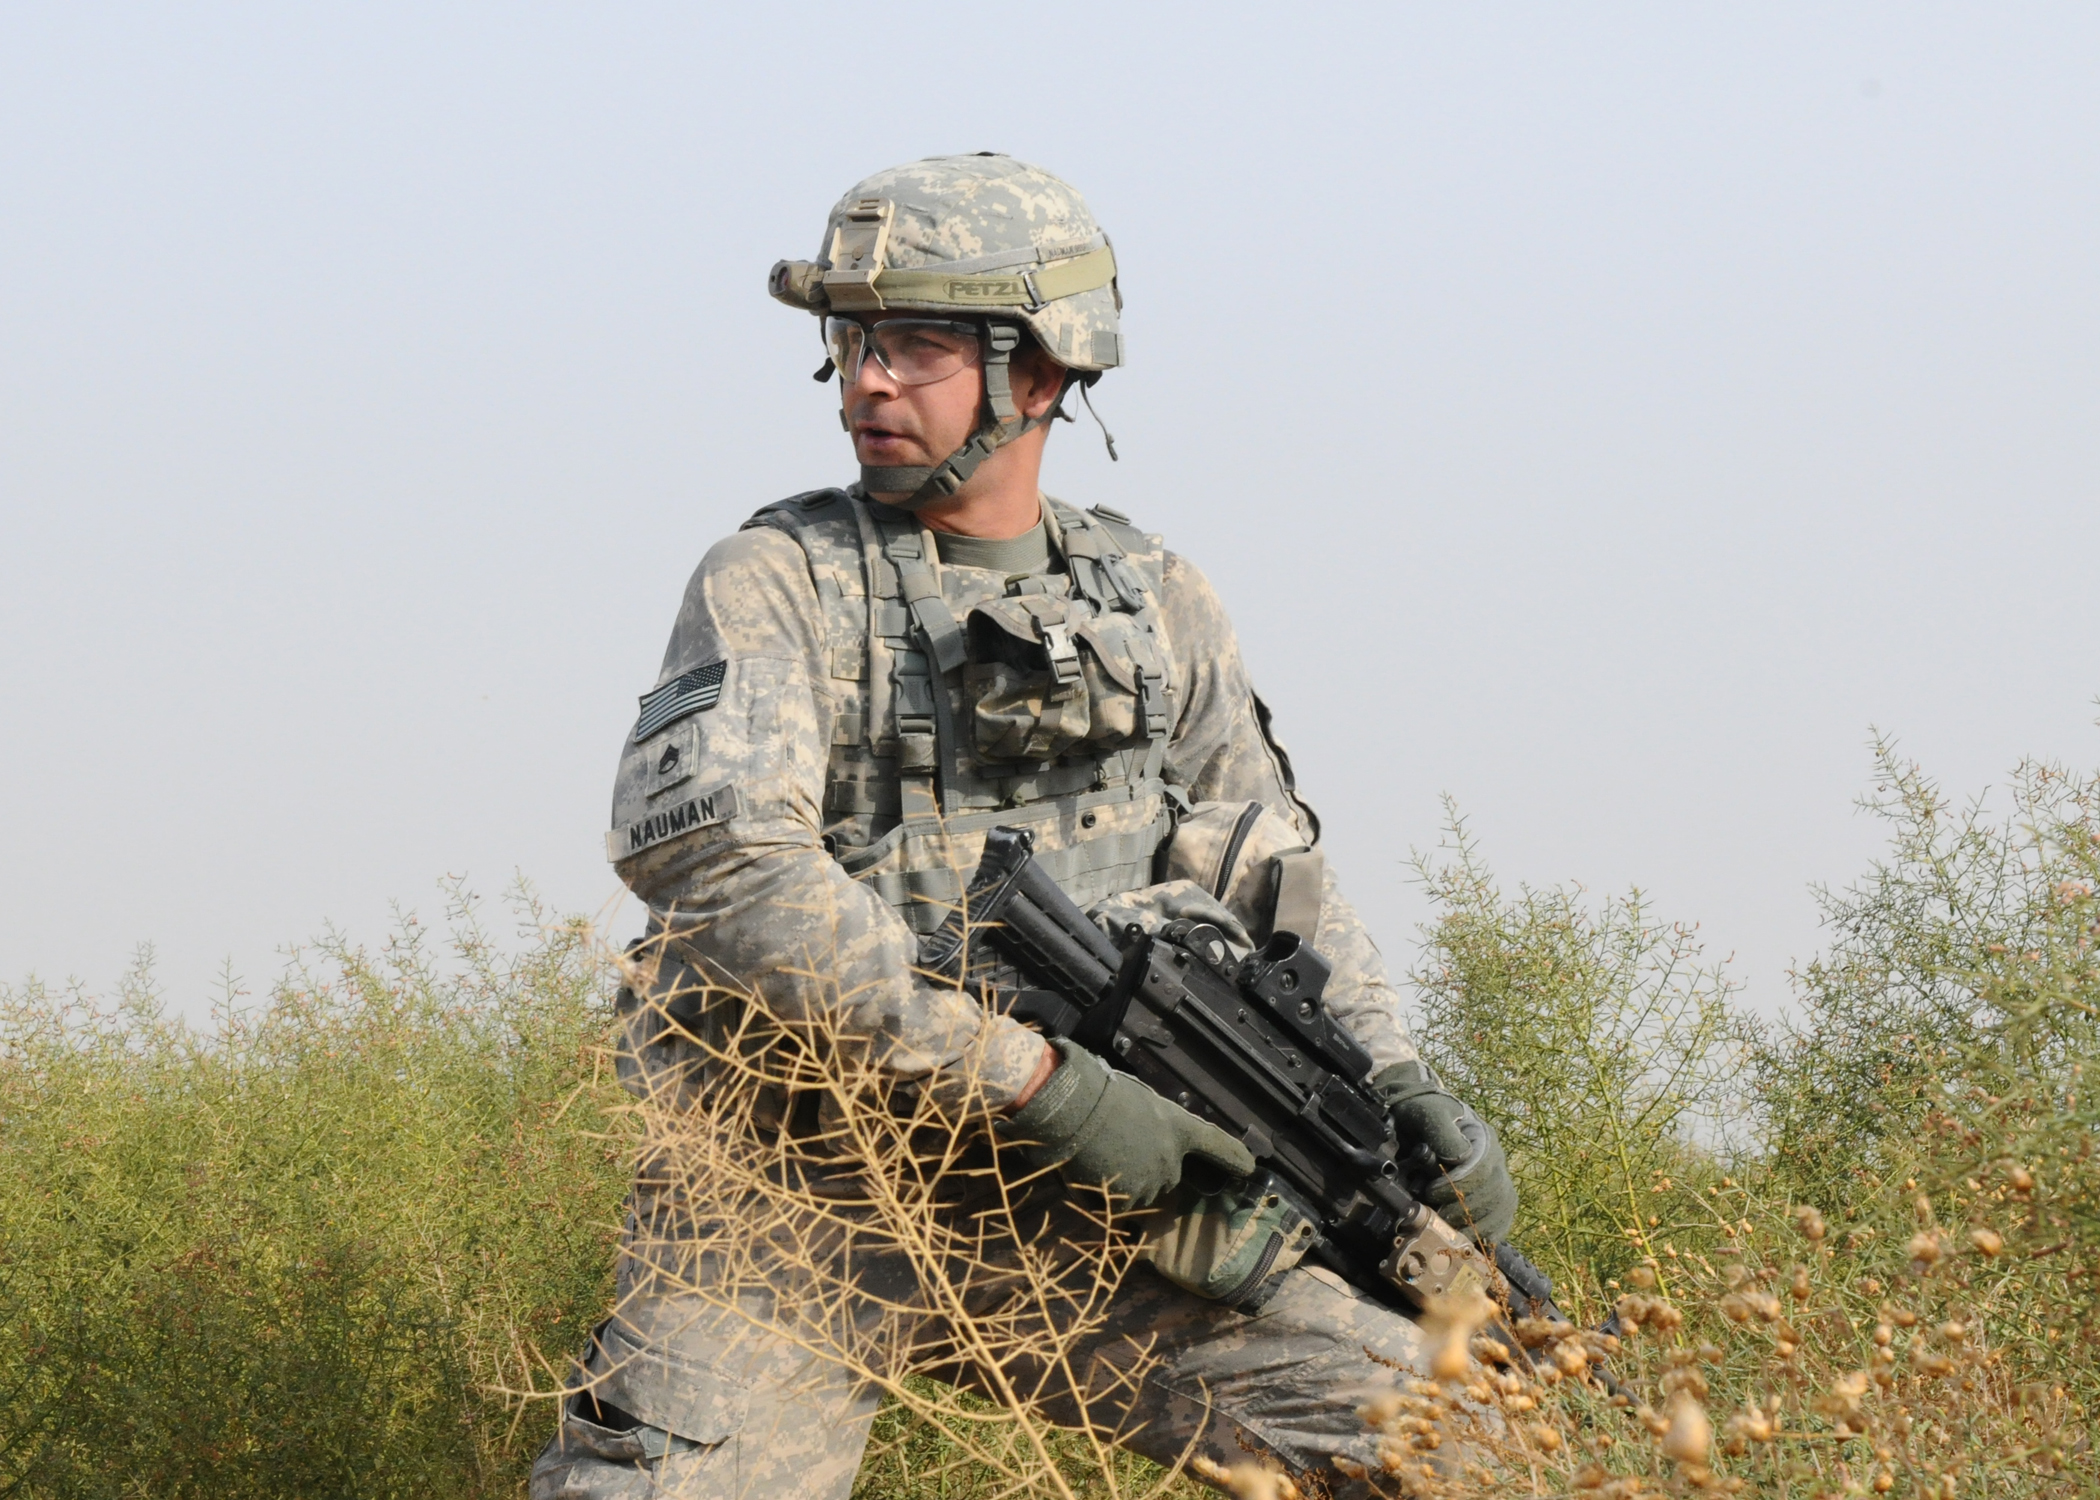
(1064, 651)
(1152, 698)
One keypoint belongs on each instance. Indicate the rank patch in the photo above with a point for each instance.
(671, 762)
(698, 689)
(702, 810)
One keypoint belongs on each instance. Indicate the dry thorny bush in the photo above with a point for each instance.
(1771, 1368)
(798, 1193)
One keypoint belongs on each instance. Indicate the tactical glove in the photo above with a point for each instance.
(1472, 1190)
(1154, 906)
(1104, 1128)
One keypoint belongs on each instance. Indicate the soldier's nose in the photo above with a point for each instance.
(873, 379)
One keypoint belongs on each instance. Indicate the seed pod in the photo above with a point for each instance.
(1450, 1321)
(1689, 1436)
(1684, 1379)
(1533, 1333)
(1753, 1424)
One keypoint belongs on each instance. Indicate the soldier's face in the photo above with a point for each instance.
(897, 425)
(894, 425)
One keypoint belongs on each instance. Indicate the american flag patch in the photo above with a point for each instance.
(698, 689)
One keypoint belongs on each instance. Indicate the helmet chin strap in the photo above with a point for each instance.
(1001, 423)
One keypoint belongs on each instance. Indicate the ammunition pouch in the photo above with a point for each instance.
(1229, 1246)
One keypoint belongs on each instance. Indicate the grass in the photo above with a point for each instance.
(318, 1248)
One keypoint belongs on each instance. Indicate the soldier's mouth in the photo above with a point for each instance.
(880, 439)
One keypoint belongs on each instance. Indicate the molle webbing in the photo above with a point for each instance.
(1106, 576)
(925, 716)
(905, 798)
(1102, 573)
(1101, 866)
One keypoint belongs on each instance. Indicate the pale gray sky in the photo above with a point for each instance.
(1602, 414)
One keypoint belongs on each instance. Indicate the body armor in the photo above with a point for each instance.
(965, 702)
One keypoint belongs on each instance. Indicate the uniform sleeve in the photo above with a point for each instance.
(716, 825)
(1224, 750)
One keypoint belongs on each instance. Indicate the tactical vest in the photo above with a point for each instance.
(965, 701)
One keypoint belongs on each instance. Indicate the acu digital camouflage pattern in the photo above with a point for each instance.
(794, 772)
(990, 220)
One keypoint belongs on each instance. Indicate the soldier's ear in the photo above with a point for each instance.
(1036, 380)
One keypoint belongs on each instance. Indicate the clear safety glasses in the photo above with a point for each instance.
(915, 351)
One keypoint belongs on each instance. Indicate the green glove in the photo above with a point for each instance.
(1473, 1192)
(1101, 1127)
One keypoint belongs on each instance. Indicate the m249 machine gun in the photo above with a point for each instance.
(1246, 1044)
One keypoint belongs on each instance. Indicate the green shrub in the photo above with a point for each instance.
(304, 1253)
(1600, 1044)
(1943, 1041)
(1915, 1158)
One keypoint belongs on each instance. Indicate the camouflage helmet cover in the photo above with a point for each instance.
(981, 235)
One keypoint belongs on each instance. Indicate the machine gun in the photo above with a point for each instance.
(1247, 1045)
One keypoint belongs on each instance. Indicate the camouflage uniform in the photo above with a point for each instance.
(839, 720)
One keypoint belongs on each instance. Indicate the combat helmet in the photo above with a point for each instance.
(983, 237)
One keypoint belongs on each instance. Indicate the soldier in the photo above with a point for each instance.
(860, 683)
